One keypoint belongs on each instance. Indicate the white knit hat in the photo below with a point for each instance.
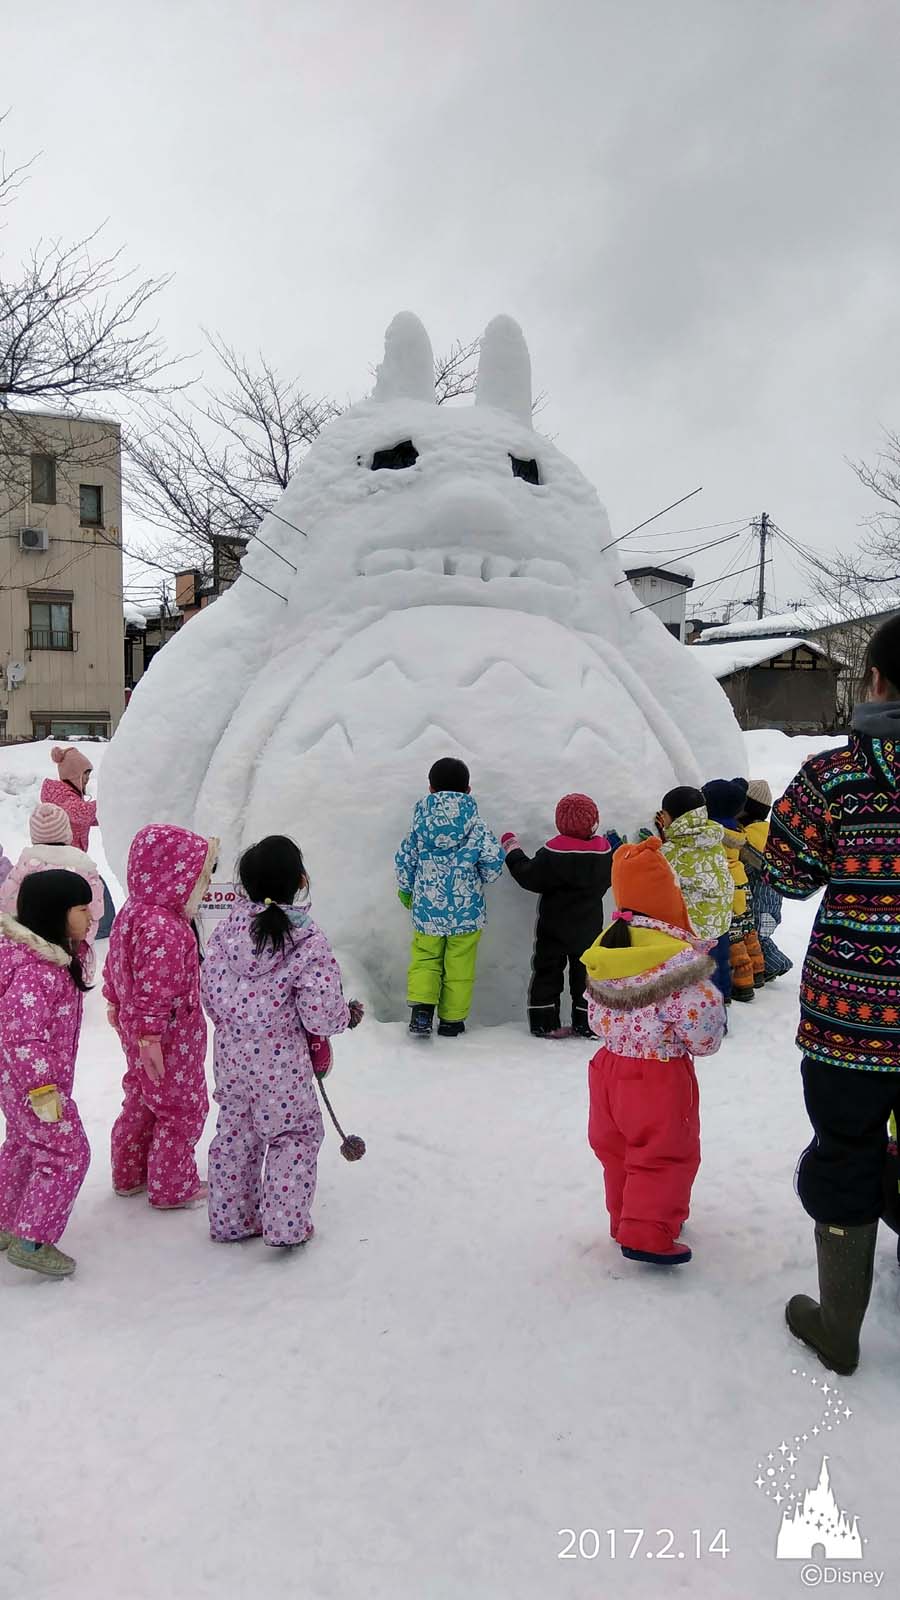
(758, 790)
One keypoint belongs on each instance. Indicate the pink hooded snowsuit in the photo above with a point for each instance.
(152, 977)
(42, 1164)
(262, 1008)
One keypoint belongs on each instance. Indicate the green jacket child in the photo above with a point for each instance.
(693, 847)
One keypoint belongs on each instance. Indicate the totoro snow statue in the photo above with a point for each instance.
(432, 582)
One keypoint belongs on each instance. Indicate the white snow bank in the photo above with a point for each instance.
(460, 1365)
(23, 768)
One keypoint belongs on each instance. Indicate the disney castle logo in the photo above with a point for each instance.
(814, 1523)
(814, 1527)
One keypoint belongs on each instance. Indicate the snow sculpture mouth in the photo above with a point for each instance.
(465, 562)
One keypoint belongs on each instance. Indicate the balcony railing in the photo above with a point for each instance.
(51, 639)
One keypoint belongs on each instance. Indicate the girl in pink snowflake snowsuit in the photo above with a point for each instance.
(152, 985)
(270, 984)
(42, 1163)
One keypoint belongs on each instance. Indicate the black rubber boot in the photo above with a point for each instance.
(420, 1020)
(831, 1327)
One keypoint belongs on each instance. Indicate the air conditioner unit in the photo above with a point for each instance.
(34, 541)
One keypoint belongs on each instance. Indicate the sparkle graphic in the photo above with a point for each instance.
(811, 1518)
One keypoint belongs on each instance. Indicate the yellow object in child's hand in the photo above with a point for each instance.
(46, 1102)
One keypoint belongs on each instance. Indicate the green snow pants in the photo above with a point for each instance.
(442, 973)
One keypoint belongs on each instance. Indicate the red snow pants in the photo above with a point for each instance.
(644, 1126)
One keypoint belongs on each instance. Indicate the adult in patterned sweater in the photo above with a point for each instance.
(571, 873)
(838, 827)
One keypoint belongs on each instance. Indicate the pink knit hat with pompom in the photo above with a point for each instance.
(72, 764)
(50, 825)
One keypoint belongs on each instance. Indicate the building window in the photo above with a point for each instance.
(2, 727)
(46, 726)
(90, 496)
(50, 625)
(43, 480)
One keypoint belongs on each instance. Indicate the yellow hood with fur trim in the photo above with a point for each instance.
(649, 948)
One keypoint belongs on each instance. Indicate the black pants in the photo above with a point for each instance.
(840, 1177)
(548, 975)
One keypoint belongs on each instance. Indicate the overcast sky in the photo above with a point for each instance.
(690, 205)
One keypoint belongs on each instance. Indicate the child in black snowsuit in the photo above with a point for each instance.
(571, 873)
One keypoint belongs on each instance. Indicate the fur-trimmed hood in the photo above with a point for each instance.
(18, 934)
(659, 961)
(65, 857)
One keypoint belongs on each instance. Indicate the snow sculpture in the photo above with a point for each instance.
(434, 581)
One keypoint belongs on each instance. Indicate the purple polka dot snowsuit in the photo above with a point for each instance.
(262, 1161)
(42, 1164)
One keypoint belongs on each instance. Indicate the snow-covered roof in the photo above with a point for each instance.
(807, 619)
(134, 614)
(724, 658)
(665, 568)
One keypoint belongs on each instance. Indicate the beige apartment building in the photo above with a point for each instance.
(61, 656)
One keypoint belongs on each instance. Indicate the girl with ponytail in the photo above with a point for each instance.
(272, 988)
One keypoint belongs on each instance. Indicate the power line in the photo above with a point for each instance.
(696, 551)
(705, 527)
(743, 547)
(667, 598)
(648, 520)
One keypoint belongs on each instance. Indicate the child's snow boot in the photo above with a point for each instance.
(831, 1327)
(6, 1239)
(675, 1256)
(450, 1030)
(420, 1021)
(44, 1258)
(582, 1029)
(199, 1197)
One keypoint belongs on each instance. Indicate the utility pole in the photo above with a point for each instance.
(762, 528)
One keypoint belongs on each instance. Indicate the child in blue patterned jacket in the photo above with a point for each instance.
(442, 866)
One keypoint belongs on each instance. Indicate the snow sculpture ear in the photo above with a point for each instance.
(407, 371)
(504, 370)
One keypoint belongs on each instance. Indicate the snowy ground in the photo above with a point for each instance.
(460, 1366)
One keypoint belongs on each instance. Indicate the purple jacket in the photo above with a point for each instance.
(264, 1006)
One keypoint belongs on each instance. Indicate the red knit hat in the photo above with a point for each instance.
(577, 816)
(643, 882)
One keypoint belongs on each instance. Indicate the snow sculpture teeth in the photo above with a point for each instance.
(446, 606)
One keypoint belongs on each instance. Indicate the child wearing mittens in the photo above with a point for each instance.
(442, 866)
(45, 1156)
(571, 873)
(151, 982)
(272, 987)
(653, 1005)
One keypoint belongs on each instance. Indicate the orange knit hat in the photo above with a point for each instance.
(643, 882)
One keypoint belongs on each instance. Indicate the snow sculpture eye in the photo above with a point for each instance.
(525, 469)
(398, 456)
